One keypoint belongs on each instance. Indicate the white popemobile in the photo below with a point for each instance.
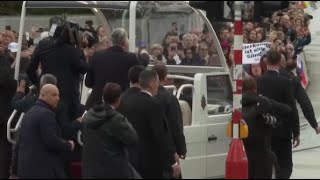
(208, 109)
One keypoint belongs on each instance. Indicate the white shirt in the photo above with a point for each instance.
(147, 92)
(274, 70)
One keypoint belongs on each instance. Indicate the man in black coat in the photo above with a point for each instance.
(7, 89)
(107, 135)
(111, 65)
(275, 86)
(59, 57)
(172, 110)
(258, 113)
(153, 154)
(22, 103)
(300, 93)
(41, 145)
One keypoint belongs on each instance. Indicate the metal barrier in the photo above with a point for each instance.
(173, 88)
(16, 128)
(80, 133)
(183, 87)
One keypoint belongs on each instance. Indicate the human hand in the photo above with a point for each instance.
(181, 54)
(171, 55)
(183, 157)
(72, 144)
(21, 86)
(317, 130)
(176, 170)
(296, 141)
(80, 119)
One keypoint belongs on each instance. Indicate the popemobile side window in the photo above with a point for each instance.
(220, 95)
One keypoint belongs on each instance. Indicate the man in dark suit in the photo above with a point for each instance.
(172, 110)
(275, 86)
(300, 93)
(69, 128)
(153, 155)
(134, 89)
(111, 65)
(41, 145)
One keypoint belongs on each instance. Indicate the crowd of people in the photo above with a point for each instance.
(145, 139)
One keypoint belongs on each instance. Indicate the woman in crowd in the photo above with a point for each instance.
(188, 60)
(252, 37)
(156, 54)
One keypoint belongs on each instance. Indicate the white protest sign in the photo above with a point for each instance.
(251, 53)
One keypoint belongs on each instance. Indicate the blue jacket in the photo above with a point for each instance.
(41, 147)
(299, 43)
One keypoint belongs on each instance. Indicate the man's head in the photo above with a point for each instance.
(161, 69)
(149, 81)
(273, 58)
(111, 94)
(292, 63)
(171, 37)
(173, 48)
(134, 73)
(120, 38)
(203, 49)
(187, 40)
(249, 26)
(285, 21)
(50, 94)
(249, 84)
(48, 79)
(225, 34)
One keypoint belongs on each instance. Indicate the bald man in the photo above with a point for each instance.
(41, 147)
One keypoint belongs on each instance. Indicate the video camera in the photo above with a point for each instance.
(65, 31)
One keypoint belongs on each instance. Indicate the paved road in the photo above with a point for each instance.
(307, 162)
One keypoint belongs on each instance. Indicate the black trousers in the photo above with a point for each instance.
(260, 163)
(5, 153)
(283, 151)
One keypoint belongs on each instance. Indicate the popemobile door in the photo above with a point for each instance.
(216, 102)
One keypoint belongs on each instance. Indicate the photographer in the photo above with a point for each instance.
(258, 112)
(59, 56)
